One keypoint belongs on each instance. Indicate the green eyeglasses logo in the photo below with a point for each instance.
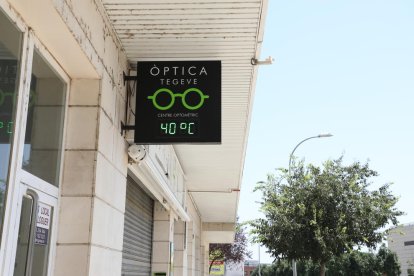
(183, 97)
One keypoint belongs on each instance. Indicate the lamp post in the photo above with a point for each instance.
(260, 273)
(290, 165)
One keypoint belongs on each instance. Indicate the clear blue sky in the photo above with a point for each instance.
(344, 67)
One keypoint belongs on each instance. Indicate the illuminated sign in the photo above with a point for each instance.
(178, 102)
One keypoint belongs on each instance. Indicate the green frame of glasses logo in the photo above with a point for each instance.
(178, 102)
(183, 97)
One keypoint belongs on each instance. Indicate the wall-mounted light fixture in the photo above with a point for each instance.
(267, 61)
(136, 153)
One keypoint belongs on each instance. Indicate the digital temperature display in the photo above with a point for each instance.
(178, 128)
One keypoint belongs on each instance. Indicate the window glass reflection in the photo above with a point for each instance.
(25, 229)
(44, 128)
(10, 45)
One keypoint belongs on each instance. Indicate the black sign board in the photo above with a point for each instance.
(178, 102)
(42, 236)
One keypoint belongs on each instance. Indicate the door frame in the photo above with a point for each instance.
(21, 181)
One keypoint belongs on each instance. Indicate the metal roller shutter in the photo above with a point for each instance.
(137, 248)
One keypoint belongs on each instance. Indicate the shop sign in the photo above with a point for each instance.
(217, 268)
(178, 102)
(42, 224)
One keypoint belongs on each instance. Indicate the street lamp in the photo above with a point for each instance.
(290, 165)
(260, 273)
(301, 142)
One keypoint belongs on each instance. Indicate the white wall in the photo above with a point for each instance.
(396, 239)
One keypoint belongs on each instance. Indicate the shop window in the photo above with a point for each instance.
(10, 57)
(45, 118)
(407, 243)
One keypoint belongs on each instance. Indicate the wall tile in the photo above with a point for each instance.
(160, 252)
(84, 92)
(105, 262)
(108, 96)
(160, 213)
(161, 230)
(72, 260)
(179, 241)
(78, 173)
(107, 225)
(178, 271)
(82, 128)
(120, 153)
(179, 258)
(106, 135)
(74, 220)
(110, 183)
(159, 268)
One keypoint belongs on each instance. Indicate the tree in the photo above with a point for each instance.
(230, 252)
(322, 212)
(387, 262)
(271, 270)
(279, 268)
(355, 263)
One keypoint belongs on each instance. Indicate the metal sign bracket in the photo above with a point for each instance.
(125, 127)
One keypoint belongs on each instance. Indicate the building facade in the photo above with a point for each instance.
(72, 201)
(401, 241)
(235, 269)
(250, 266)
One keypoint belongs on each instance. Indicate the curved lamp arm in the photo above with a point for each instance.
(304, 140)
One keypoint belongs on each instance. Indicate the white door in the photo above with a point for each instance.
(33, 100)
(38, 167)
(36, 231)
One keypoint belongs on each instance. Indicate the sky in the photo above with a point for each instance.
(341, 67)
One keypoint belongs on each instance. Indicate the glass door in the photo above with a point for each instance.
(33, 100)
(40, 165)
(34, 242)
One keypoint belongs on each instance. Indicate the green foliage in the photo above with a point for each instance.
(387, 262)
(354, 263)
(280, 268)
(322, 212)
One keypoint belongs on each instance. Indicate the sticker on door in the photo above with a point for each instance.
(42, 224)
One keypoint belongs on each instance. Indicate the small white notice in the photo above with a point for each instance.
(44, 213)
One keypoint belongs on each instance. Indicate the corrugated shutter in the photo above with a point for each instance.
(137, 248)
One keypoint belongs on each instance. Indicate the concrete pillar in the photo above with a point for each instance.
(203, 260)
(92, 203)
(180, 249)
(163, 237)
(75, 213)
(190, 250)
(197, 255)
